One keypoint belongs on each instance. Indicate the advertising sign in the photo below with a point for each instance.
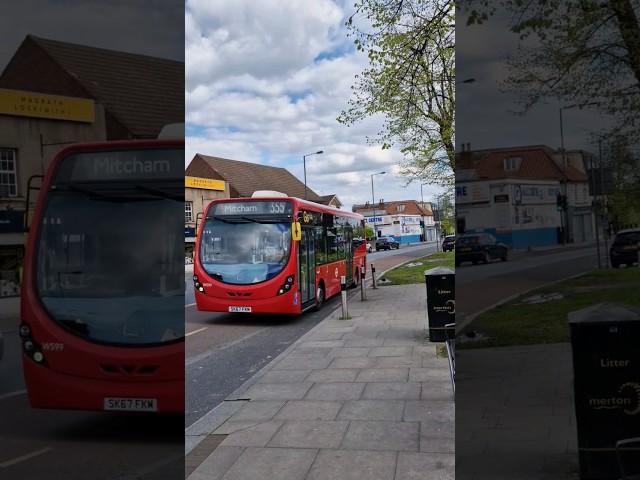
(39, 105)
(204, 183)
(472, 192)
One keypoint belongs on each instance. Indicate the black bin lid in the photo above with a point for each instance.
(605, 313)
(439, 271)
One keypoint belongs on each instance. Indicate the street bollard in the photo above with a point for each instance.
(373, 276)
(363, 291)
(343, 292)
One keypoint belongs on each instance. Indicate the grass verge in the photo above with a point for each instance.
(405, 274)
(520, 323)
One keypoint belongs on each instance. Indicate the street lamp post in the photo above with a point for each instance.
(373, 204)
(304, 164)
(424, 225)
(564, 217)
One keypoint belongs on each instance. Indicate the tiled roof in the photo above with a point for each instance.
(327, 199)
(536, 162)
(411, 207)
(143, 93)
(244, 178)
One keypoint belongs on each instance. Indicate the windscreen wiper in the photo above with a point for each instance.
(160, 193)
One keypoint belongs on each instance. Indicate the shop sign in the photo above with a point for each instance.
(472, 193)
(204, 183)
(11, 221)
(39, 105)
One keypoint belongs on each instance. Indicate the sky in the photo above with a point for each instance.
(265, 82)
(148, 27)
(484, 113)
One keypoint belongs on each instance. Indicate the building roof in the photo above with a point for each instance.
(327, 199)
(244, 178)
(142, 93)
(411, 207)
(536, 162)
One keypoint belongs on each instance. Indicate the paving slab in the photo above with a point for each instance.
(310, 434)
(278, 391)
(425, 466)
(309, 410)
(272, 463)
(383, 375)
(256, 436)
(393, 436)
(335, 391)
(217, 464)
(353, 465)
(372, 410)
(392, 391)
(333, 375)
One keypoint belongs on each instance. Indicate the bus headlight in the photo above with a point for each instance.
(38, 357)
(196, 283)
(25, 330)
(285, 287)
(28, 346)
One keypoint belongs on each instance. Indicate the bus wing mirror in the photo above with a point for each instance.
(296, 231)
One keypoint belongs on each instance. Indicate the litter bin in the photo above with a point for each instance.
(441, 301)
(606, 367)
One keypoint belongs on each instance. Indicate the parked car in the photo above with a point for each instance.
(369, 248)
(386, 243)
(479, 247)
(624, 249)
(449, 243)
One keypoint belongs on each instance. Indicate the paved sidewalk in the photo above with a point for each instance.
(9, 314)
(515, 405)
(365, 398)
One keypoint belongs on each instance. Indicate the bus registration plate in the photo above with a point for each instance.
(131, 404)
(240, 309)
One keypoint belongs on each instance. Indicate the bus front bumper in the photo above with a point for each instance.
(287, 304)
(48, 388)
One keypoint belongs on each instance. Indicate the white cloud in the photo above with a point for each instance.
(265, 83)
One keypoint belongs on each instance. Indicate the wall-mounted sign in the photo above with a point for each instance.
(535, 193)
(204, 183)
(472, 192)
(374, 219)
(11, 221)
(40, 105)
(501, 198)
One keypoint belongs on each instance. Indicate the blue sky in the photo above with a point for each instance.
(265, 82)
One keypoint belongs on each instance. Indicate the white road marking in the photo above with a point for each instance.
(196, 331)
(12, 394)
(24, 457)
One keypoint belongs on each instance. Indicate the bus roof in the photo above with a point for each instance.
(318, 207)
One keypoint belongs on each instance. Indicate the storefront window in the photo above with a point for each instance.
(8, 176)
(10, 270)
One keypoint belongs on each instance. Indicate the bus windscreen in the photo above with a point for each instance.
(110, 250)
(245, 250)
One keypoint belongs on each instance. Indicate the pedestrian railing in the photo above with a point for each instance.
(450, 344)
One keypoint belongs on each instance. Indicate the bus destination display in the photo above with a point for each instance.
(253, 208)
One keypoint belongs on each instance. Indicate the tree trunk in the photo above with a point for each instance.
(630, 32)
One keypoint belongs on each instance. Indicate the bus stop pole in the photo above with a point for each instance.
(373, 276)
(343, 292)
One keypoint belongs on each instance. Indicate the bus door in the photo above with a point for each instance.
(348, 245)
(307, 266)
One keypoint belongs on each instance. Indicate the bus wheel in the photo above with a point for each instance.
(319, 297)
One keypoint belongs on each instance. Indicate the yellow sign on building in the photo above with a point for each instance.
(204, 183)
(40, 105)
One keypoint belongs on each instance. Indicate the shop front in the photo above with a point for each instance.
(11, 252)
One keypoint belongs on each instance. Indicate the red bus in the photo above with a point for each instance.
(102, 305)
(274, 254)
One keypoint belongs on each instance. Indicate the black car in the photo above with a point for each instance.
(480, 247)
(449, 243)
(624, 249)
(386, 243)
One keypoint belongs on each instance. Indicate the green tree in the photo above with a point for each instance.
(581, 51)
(366, 232)
(410, 81)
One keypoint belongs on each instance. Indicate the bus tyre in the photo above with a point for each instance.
(319, 297)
